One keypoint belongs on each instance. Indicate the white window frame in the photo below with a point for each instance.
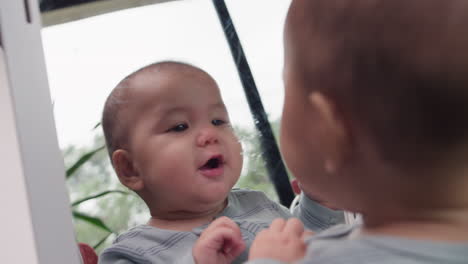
(36, 222)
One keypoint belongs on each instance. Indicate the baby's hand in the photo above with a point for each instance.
(282, 241)
(220, 243)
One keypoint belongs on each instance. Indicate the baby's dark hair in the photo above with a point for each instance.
(397, 67)
(115, 129)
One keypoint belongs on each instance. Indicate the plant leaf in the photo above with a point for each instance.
(92, 220)
(101, 241)
(97, 196)
(82, 160)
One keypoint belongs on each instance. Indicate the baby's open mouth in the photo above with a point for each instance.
(213, 163)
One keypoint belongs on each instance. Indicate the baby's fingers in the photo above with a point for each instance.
(277, 225)
(227, 241)
(307, 234)
(223, 222)
(294, 227)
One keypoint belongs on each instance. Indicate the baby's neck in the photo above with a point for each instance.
(181, 220)
(436, 209)
(450, 225)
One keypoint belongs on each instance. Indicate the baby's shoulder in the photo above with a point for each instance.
(248, 195)
(338, 245)
(254, 206)
(142, 234)
(145, 242)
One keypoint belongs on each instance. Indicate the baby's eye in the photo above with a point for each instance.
(178, 128)
(218, 122)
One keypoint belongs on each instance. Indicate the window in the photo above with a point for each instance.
(86, 58)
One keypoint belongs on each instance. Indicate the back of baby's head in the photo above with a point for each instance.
(397, 67)
(114, 126)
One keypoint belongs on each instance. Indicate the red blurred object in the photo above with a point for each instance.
(88, 254)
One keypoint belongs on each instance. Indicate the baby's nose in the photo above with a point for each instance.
(206, 137)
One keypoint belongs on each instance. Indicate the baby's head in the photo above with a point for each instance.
(169, 138)
(376, 102)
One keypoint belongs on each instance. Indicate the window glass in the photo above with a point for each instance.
(259, 25)
(86, 58)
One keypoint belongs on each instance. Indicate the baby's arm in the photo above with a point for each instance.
(220, 243)
(114, 259)
(315, 215)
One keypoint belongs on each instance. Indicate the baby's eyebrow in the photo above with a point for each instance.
(218, 105)
(163, 113)
(171, 110)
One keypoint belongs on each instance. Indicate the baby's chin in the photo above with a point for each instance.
(215, 194)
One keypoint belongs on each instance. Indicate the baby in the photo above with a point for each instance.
(376, 120)
(169, 138)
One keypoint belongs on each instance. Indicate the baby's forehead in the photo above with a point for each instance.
(171, 72)
(168, 79)
(172, 89)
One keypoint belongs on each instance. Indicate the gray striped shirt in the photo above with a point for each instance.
(335, 246)
(251, 210)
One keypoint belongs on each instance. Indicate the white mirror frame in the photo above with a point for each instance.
(36, 222)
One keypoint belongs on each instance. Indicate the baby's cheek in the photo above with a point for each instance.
(236, 155)
(238, 146)
(238, 150)
(234, 144)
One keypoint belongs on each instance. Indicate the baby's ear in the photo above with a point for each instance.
(334, 133)
(127, 173)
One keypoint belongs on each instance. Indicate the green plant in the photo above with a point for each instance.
(92, 220)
